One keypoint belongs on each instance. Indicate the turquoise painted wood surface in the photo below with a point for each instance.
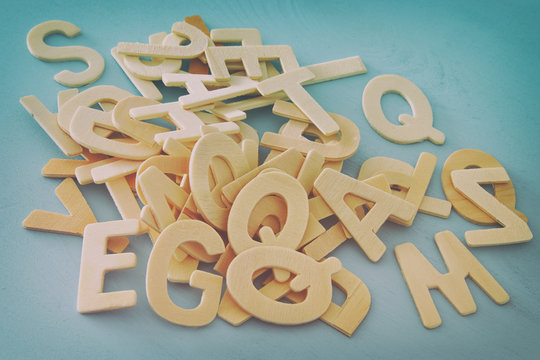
(475, 61)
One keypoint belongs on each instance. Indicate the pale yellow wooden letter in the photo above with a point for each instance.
(402, 177)
(290, 135)
(333, 186)
(212, 147)
(291, 84)
(159, 191)
(267, 184)
(514, 230)
(95, 262)
(415, 128)
(314, 276)
(472, 159)
(158, 264)
(347, 317)
(38, 48)
(421, 276)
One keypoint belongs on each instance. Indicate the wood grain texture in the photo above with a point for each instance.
(331, 70)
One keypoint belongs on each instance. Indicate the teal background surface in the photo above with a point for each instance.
(477, 63)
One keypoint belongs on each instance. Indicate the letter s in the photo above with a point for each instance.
(42, 51)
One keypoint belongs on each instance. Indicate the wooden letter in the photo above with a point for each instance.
(79, 216)
(515, 230)
(48, 122)
(211, 147)
(290, 136)
(421, 276)
(402, 177)
(156, 275)
(471, 159)
(266, 184)
(332, 186)
(250, 57)
(44, 52)
(82, 130)
(132, 127)
(146, 87)
(291, 84)
(347, 317)
(244, 36)
(331, 70)
(290, 162)
(155, 68)
(200, 97)
(188, 123)
(314, 276)
(105, 95)
(95, 262)
(198, 43)
(159, 191)
(415, 128)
